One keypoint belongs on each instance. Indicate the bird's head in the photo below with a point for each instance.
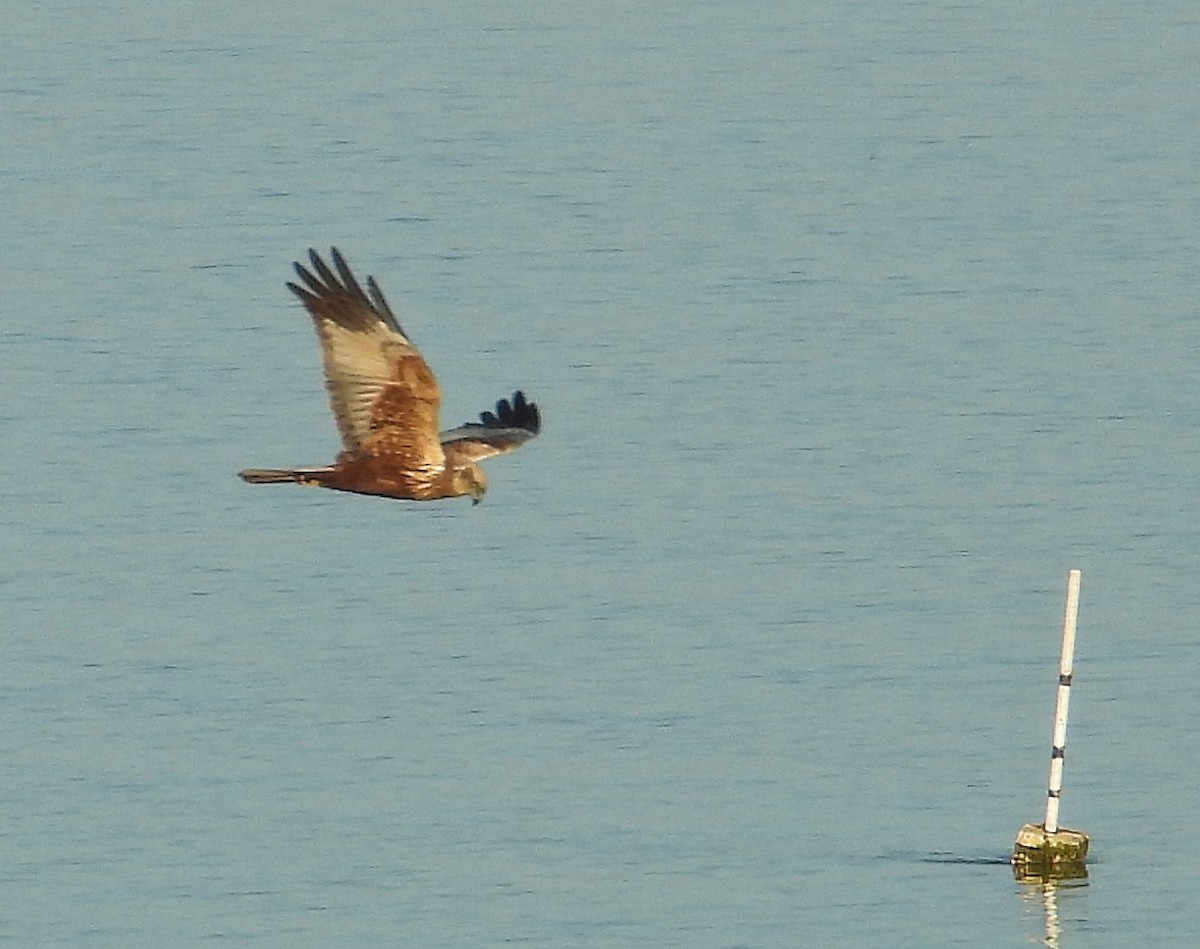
(471, 480)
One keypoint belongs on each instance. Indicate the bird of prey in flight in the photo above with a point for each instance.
(385, 400)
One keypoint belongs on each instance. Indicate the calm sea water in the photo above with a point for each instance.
(854, 327)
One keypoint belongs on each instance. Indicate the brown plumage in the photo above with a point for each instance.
(385, 400)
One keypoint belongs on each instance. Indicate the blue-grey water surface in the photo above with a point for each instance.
(854, 327)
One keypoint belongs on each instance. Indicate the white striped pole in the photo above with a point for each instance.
(1058, 748)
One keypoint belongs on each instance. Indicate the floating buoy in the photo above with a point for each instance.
(1048, 851)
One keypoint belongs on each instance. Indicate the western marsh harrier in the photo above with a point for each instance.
(385, 400)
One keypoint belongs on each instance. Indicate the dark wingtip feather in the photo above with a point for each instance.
(322, 269)
(321, 277)
(322, 283)
(348, 279)
(518, 413)
(304, 294)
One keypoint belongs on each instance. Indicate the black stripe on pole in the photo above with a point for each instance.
(1064, 680)
(1053, 793)
(1058, 753)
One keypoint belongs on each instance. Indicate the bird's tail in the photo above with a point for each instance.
(279, 475)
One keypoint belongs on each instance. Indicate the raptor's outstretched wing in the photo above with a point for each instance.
(384, 396)
(496, 433)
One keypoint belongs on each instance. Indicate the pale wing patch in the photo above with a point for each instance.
(359, 365)
(467, 449)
